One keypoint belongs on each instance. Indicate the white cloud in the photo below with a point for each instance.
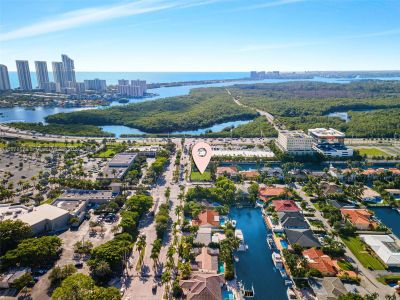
(81, 17)
(270, 4)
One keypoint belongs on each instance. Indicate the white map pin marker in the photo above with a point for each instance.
(201, 153)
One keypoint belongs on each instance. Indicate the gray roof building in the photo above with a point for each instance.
(303, 237)
(292, 220)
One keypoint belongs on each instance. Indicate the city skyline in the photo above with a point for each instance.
(198, 35)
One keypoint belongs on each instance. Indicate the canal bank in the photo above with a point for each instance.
(255, 267)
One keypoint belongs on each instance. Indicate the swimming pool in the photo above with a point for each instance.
(227, 295)
(284, 244)
(221, 267)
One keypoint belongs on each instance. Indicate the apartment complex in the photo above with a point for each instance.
(4, 78)
(330, 142)
(42, 75)
(24, 75)
(295, 142)
(97, 85)
(134, 88)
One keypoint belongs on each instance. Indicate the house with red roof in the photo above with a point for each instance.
(359, 218)
(249, 175)
(229, 171)
(285, 206)
(266, 193)
(207, 218)
(319, 261)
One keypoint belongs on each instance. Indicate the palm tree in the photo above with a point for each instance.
(141, 243)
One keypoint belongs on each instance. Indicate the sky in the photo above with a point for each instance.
(203, 35)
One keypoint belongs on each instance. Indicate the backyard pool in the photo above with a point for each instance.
(284, 244)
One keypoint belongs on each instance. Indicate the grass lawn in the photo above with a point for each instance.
(389, 279)
(47, 144)
(345, 265)
(106, 153)
(372, 152)
(197, 176)
(356, 245)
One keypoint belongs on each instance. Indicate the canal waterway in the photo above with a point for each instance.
(389, 217)
(255, 266)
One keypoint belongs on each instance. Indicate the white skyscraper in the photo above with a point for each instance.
(4, 78)
(24, 75)
(69, 68)
(136, 88)
(59, 74)
(98, 85)
(42, 75)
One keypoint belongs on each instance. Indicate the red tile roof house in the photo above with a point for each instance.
(318, 260)
(285, 205)
(360, 218)
(203, 287)
(268, 192)
(230, 171)
(249, 175)
(207, 261)
(207, 218)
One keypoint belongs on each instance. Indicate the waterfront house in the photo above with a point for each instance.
(266, 193)
(203, 236)
(394, 192)
(302, 237)
(273, 172)
(340, 204)
(359, 218)
(249, 175)
(386, 247)
(369, 195)
(292, 220)
(228, 171)
(285, 206)
(207, 261)
(327, 288)
(203, 286)
(207, 218)
(319, 261)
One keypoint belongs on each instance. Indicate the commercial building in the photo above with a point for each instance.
(386, 247)
(69, 68)
(97, 85)
(295, 142)
(4, 78)
(329, 142)
(118, 166)
(59, 75)
(219, 150)
(42, 75)
(24, 75)
(43, 218)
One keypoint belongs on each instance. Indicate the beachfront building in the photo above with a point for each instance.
(24, 75)
(4, 78)
(329, 142)
(43, 218)
(386, 247)
(295, 142)
(97, 85)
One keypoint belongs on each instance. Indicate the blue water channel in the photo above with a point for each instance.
(255, 266)
(389, 217)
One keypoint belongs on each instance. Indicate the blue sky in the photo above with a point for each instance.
(203, 35)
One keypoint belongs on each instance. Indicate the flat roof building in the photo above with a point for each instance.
(386, 247)
(295, 142)
(329, 142)
(118, 166)
(43, 218)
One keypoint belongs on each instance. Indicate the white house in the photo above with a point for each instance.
(387, 248)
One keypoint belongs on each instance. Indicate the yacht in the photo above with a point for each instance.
(233, 222)
(239, 235)
(277, 259)
(270, 243)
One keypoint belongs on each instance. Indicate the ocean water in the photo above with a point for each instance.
(389, 217)
(150, 77)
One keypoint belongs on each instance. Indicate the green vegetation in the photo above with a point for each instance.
(11, 233)
(304, 105)
(111, 149)
(372, 152)
(74, 129)
(201, 108)
(364, 255)
(80, 286)
(197, 176)
(34, 252)
(345, 265)
(256, 128)
(58, 274)
(48, 144)
(162, 220)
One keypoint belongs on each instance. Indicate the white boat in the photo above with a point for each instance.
(239, 235)
(277, 259)
(270, 243)
(236, 258)
(233, 222)
(291, 294)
